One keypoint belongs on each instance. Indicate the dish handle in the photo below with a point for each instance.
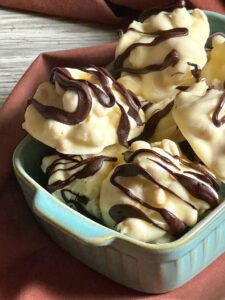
(73, 223)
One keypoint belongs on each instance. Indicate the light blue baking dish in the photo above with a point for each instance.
(145, 267)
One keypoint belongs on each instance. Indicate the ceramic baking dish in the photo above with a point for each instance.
(145, 267)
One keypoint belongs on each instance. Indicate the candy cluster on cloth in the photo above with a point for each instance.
(142, 152)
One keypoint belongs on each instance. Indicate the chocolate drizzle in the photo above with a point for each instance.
(78, 203)
(204, 193)
(209, 178)
(166, 8)
(197, 189)
(200, 185)
(182, 88)
(132, 170)
(123, 128)
(197, 165)
(154, 120)
(196, 72)
(171, 59)
(147, 106)
(63, 78)
(132, 155)
(188, 151)
(161, 36)
(109, 100)
(104, 96)
(76, 197)
(215, 117)
(65, 160)
(120, 212)
(82, 169)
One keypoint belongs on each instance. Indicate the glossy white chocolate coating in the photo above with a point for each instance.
(156, 86)
(91, 136)
(193, 111)
(154, 195)
(89, 186)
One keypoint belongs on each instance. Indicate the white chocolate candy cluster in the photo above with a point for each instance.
(157, 194)
(119, 142)
(77, 179)
(199, 113)
(82, 112)
(154, 55)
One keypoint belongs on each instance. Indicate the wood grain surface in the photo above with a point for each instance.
(24, 35)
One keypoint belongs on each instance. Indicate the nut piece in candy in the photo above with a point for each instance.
(214, 70)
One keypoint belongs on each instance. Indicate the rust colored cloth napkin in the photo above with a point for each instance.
(111, 12)
(31, 265)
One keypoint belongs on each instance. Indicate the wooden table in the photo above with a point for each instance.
(24, 35)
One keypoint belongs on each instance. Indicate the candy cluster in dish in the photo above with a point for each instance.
(141, 151)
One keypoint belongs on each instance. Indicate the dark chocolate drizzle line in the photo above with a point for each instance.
(59, 161)
(57, 74)
(188, 151)
(90, 166)
(123, 128)
(196, 72)
(182, 88)
(121, 212)
(78, 204)
(153, 121)
(155, 10)
(203, 178)
(63, 78)
(84, 100)
(103, 79)
(133, 102)
(105, 97)
(129, 156)
(82, 199)
(215, 117)
(170, 60)
(161, 36)
(147, 106)
(210, 179)
(196, 188)
(177, 227)
(131, 99)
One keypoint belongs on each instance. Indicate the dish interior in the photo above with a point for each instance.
(31, 155)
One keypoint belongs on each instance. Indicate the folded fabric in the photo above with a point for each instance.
(31, 265)
(112, 12)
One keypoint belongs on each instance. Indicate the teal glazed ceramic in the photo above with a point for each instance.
(145, 267)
